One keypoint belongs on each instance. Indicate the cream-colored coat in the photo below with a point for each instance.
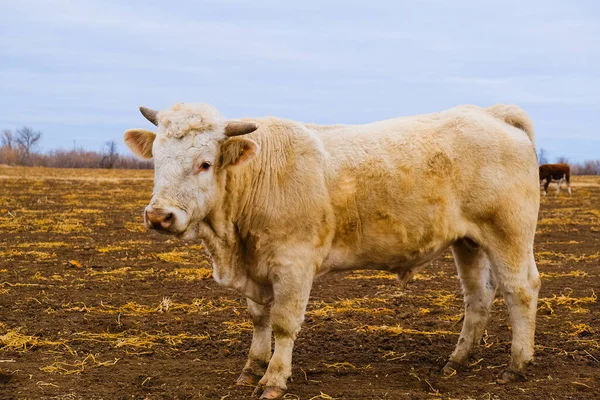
(389, 195)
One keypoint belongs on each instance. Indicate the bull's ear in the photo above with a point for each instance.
(238, 151)
(140, 142)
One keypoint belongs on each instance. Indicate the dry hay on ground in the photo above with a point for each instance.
(93, 307)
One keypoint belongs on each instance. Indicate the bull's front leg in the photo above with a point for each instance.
(291, 289)
(260, 350)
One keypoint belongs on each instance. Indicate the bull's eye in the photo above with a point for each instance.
(205, 166)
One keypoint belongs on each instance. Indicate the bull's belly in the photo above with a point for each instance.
(396, 259)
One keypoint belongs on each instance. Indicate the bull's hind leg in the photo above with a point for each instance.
(474, 271)
(518, 279)
(260, 350)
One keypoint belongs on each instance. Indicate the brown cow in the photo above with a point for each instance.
(558, 173)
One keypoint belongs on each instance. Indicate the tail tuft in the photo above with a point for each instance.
(514, 116)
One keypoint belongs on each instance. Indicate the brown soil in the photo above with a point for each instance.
(94, 307)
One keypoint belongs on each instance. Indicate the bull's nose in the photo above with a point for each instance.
(160, 219)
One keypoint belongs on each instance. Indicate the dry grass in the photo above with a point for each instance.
(78, 367)
(398, 330)
(321, 309)
(51, 280)
(165, 305)
(575, 274)
(581, 329)
(41, 245)
(185, 274)
(565, 300)
(137, 340)
(191, 274)
(237, 328)
(567, 257)
(176, 257)
(14, 339)
(371, 275)
(10, 255)
(442, 299)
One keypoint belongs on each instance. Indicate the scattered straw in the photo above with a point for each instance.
(393, 356)
(134, 227)
(576, 274)
(108, 249)
(40, 383)
(236, 328)
(144, 340)
(582, 384)
(179, 257)
(322, 396)
(581, 329)
(350, 305)
(340, 365)
(371, 275)
(165, 305)
(565, 300)
(398, 330)
(88, 362)
(434, 392)
(15, 340)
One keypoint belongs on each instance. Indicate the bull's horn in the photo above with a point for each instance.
(149, 114)
(237, 128)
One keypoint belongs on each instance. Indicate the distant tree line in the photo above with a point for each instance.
(588, 167)
(19, 148)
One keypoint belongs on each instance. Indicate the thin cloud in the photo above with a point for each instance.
(82, 68)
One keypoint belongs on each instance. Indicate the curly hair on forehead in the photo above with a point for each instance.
(183, 118)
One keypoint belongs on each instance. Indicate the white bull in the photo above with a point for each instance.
(289, 201)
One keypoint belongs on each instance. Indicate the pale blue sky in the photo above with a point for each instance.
(77, 70)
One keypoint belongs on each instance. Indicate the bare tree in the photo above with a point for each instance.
(589, 167)
(110, 154)
(7, 138)
(26, 139)
(542, 158)
(562, 160)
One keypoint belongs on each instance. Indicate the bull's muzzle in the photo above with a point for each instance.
(159, 219)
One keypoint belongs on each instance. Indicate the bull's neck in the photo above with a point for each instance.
(224, 232)
(230, 216)
(229, 219)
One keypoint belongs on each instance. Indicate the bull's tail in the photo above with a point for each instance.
(514, 116)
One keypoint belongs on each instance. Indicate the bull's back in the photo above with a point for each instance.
(554, 171)
(400, 188)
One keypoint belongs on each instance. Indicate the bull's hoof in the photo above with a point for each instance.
(508, 376)
(269, 392)
(452, 368)
(247, 379)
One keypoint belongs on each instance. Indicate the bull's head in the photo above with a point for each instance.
(192, 148)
